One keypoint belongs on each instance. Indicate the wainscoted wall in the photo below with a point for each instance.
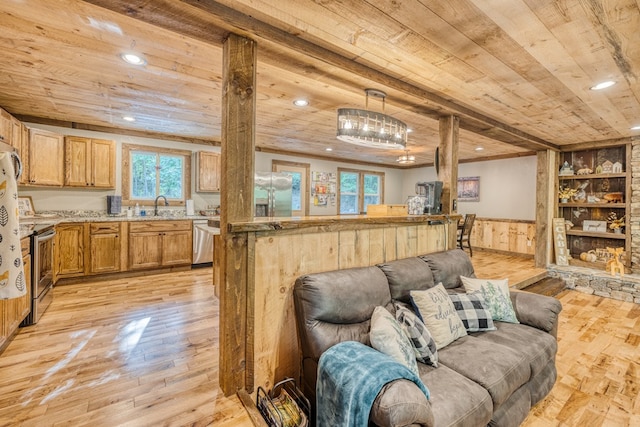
(280, 257)
(516, 236)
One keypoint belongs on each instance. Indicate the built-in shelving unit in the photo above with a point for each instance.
(602, 177)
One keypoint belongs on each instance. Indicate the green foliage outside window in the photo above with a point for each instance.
(154, 174)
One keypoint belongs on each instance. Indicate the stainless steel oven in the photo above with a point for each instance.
(42, 241)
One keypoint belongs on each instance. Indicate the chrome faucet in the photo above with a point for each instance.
(155, 209)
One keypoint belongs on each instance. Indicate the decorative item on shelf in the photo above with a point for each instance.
(616, 224)
(589, 256)
(616, 197)
(568, 224)
(369, 128)
(599, 169)
(566, 169)
(617, 167)
(607, 166)
(566, 193)
(406, 158)
(592, 199)
(594, 226)
(581, 194)
(614, 265)
(584, 171)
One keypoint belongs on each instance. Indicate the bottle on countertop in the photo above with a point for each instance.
(129, 212)
(137, 210)
(143, 211)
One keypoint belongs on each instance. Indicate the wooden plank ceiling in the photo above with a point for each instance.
(517, 73)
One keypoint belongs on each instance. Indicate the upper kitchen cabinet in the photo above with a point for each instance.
(5, 126)
(208, 177)
(45, 158)
(89, 162)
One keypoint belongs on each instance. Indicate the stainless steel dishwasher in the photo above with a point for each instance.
(203, 241)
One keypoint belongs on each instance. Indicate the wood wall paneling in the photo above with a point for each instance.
(504, 235)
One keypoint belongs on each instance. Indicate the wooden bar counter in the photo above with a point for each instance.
(263, 258)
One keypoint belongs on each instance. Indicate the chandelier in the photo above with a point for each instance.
(406, 159)
(371, 129)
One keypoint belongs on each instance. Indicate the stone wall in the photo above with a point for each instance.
(634, 215)
(598, 282)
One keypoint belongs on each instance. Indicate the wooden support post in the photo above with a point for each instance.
(546, 198)
(448, 168)
(236, 201)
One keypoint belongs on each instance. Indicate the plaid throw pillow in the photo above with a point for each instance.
(473, 311)
(423, 344)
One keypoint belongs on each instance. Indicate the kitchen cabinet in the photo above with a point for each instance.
(155, 244)
(105, 247)
(24, 154)
(5, 126)
(208, 176)
(69, 250)
(89, 162)
(13, 311)
(601, 179)
(46, 158)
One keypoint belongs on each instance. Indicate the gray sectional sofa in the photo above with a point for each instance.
(484, 378)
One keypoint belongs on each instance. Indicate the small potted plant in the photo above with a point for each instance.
(565, 193)
(615, 223)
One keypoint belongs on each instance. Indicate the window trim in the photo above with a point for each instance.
(361, 175)
(126, 172)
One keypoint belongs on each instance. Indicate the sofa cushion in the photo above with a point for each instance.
(496, 294)
(388, 337)
(406, 275)
(447, 267)
(514, 411)
(336, 306)
(455, 400)
(498, 368)
(424, 346)
(537, 346)
(473, 312)
(439, 315)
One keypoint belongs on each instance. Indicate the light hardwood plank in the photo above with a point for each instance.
(127, 352)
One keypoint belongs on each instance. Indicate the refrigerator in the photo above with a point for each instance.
(272, 194)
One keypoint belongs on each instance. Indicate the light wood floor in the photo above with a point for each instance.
(144, 352)
(129, 352)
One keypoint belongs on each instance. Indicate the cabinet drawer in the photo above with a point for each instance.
(145, 226)
(104, 227)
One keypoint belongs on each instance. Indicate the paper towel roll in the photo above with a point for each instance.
(190, 208)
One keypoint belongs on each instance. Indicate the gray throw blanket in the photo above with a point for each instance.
(350, 376)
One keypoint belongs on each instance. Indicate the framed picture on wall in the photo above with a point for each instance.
(25, 206)
(469, 189)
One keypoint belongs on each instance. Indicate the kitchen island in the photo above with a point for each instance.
(262, 259)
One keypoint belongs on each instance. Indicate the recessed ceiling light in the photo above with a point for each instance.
(603, 85)
(328, 149)
(479, 148)
(300, 102)
(128, 118)
(133, 59)
(635, 127)
(409, 130)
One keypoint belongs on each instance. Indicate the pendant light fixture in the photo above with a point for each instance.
(370, 128)
(406, 159)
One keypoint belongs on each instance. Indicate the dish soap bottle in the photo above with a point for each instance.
(137, 210)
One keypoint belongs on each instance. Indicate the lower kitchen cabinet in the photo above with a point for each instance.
(105, 247)
(69, 250)
(13, 311)
(156, 244)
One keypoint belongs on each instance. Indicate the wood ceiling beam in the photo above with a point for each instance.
(221, 19)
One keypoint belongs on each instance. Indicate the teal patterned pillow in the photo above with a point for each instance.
(496, 295)
(386, 336)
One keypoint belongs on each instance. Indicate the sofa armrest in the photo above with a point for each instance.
(401, 403)
(537, 310)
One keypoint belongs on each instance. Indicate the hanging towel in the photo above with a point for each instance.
(12, 281)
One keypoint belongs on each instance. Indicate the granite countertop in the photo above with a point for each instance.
(56, 217)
